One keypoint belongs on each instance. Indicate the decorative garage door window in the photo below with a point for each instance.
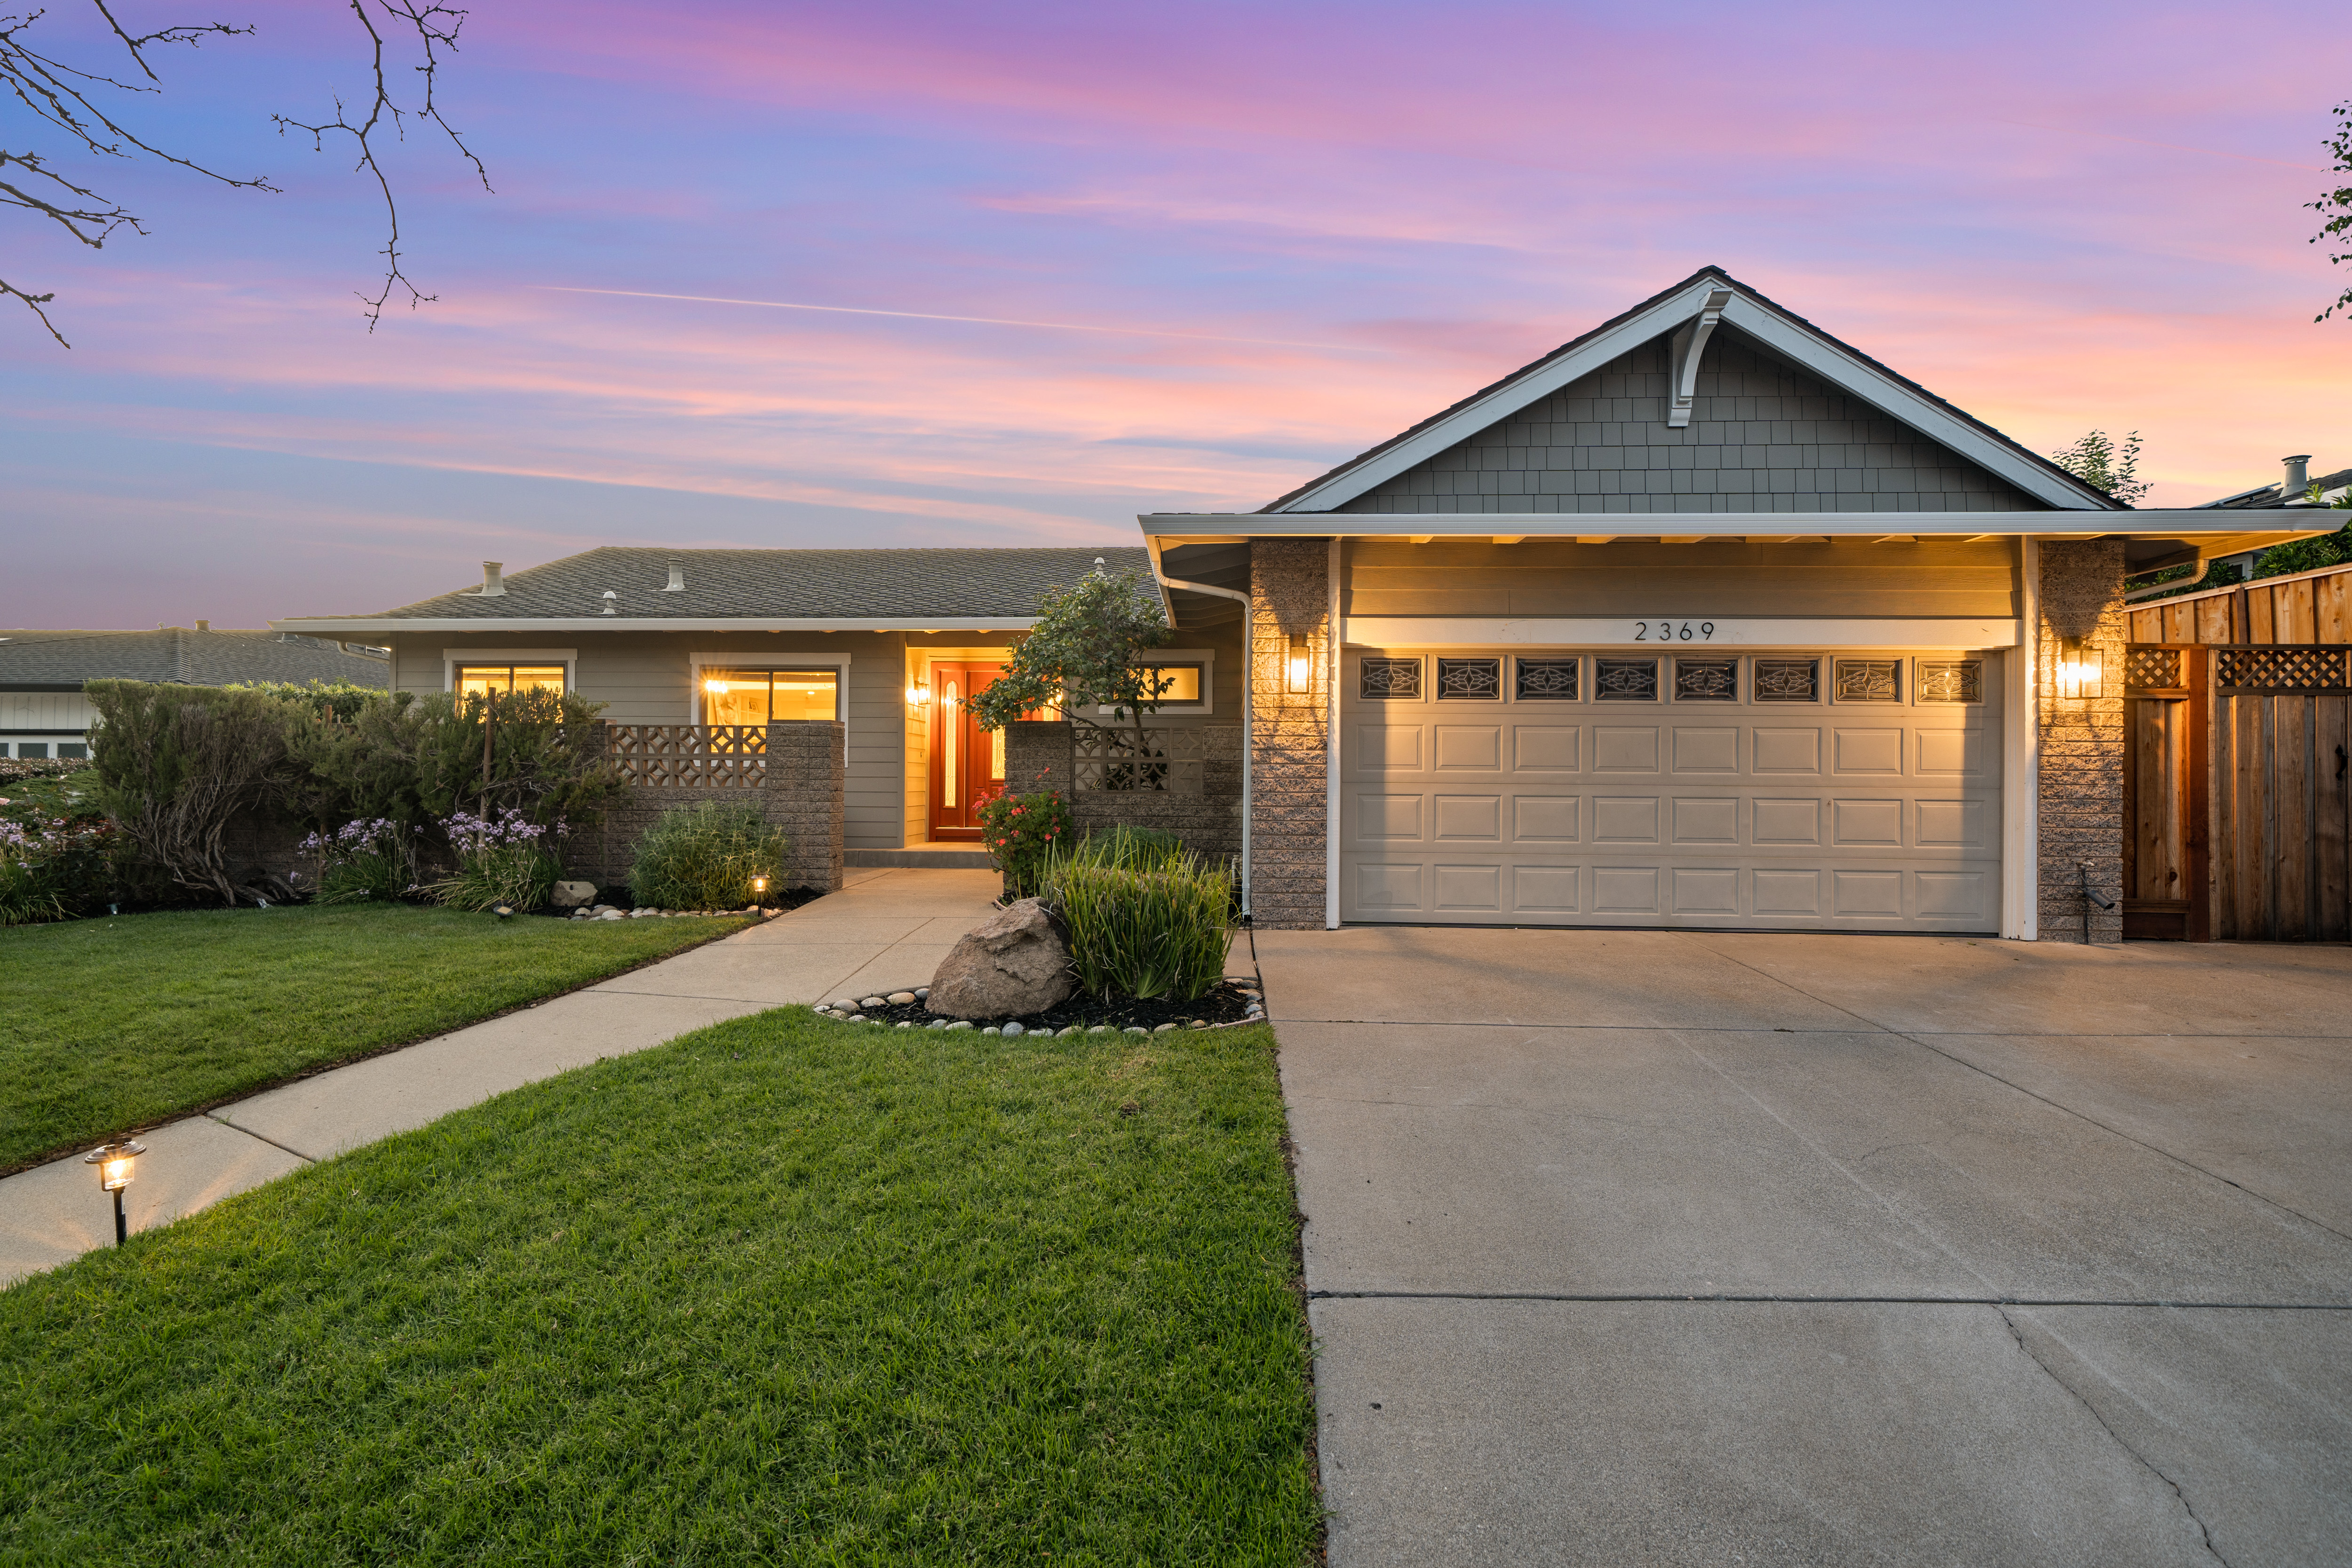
(1547, 680)
(1951, 680)
(1625, 679)
(1707, 681)
(1393, 679)
(1869, 680)
(1787, 680)
(1469, 680)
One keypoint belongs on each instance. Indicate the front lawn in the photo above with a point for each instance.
(782, 1289)
(111, 1024)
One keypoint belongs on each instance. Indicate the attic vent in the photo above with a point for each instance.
(2298, 476)
(203, 625)
(612, 602)
(493, 587)
(677, 579)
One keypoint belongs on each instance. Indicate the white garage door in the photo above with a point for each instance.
(1845, 791)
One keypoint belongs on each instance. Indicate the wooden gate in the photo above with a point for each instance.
(2236, 796)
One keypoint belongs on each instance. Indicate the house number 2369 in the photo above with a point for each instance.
(1674, 631)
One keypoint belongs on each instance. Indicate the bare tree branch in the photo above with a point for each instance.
(66, 99)
(436, 29)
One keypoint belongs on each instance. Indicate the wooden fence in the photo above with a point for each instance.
(2306, 608)
(2236, 798)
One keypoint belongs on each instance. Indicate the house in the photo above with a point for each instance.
(44, 714)
(1704, 619)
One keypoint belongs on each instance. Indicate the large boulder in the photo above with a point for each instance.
(573, 895)
(1014, 961)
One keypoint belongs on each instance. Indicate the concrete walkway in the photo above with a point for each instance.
(885, 928)
(1636, 1247)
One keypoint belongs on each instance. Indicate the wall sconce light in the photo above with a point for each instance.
(1301, 667)
(2081, 667)
(116, 1163)
(918, 695)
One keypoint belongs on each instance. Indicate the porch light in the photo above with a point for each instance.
(115, 1165)
(918, 695)
(1301, 667)
(2080, 667)
(716, 688)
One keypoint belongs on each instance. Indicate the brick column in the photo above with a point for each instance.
(1290, 592)
(2080, 804)
(1041, 754)
(805, 797)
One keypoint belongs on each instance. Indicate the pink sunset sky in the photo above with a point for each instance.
(937, 274)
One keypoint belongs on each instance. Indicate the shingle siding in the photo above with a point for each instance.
(1765, 436)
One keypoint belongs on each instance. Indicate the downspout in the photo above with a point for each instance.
(1249, 670)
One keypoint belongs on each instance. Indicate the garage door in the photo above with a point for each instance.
(1800, 791)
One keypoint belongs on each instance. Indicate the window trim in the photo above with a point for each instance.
(451, 657)
(1206, 657)
(771, 658)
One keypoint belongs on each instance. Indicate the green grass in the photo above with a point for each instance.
(107, 1024)
(782, 1291)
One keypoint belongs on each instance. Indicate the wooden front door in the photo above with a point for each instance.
(967, 761)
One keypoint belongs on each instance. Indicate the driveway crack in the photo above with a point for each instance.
(2121, 1441)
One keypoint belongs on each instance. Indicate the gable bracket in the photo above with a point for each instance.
(1689, 346)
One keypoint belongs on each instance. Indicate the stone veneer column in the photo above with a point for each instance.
(805, 797)
(1290, 826)
(1041, 754)
(2080, 804)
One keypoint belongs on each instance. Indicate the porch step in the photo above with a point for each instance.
(931, 857)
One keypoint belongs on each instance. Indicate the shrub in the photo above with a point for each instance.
(374, 860)
(1021, 831)
(1144, 918)
(176, 766)
(704, 857)
(53, 870)
(503, 858)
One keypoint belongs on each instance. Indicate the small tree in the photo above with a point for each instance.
(2334, 207)
(175, 766)
(1081, 653)
(2103, 466)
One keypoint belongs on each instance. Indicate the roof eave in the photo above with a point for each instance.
(322, 624)
(1164, 527)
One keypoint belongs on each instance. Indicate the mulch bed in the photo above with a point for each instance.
(1228, 1004)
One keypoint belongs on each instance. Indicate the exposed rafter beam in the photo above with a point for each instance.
(1596, 538)
(1509, 538)
(1897, 539)
(1690, 347)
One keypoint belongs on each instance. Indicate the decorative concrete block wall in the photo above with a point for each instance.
(2081, 803)
(1041, 754)
(803, 792)
(1290, 592)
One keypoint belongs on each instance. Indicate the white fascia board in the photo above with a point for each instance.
(1165, 527)
(1506, 400)
(1839, 368)
(317, 626)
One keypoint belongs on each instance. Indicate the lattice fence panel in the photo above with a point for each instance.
(2153, 670)
(2281, 669)
(690, 756)
(1171, 759)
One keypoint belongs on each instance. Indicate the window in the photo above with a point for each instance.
(769, 695)
(29, 749)
(1392, 679)
(1625, 679)
(1178, 684)
(73, 748)
(473, 680)
(1187, 677)
(1469, 680)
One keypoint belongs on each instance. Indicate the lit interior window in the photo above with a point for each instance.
(473, 680)
(769, 695)
(1178, 682)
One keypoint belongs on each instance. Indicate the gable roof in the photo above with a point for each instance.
(180, 655)
(1779, 330)
(850, 589)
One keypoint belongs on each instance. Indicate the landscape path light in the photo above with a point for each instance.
(116, 1164)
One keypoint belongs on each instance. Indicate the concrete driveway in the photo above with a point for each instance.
(1634, 1247)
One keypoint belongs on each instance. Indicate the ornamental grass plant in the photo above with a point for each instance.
(1146, 917)
(705, 856)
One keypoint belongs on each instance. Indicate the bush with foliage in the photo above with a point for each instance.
(1145, 916)
(502, 859)
(705, 856)
(1021, 831)
(372, 860)
(328, 699)
(176, 764)
(1084, 652)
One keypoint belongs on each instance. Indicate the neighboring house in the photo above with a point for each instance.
(43, 712)
(1704, 619)
(2293, 488)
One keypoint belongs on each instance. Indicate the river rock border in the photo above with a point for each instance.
(904, 1009)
